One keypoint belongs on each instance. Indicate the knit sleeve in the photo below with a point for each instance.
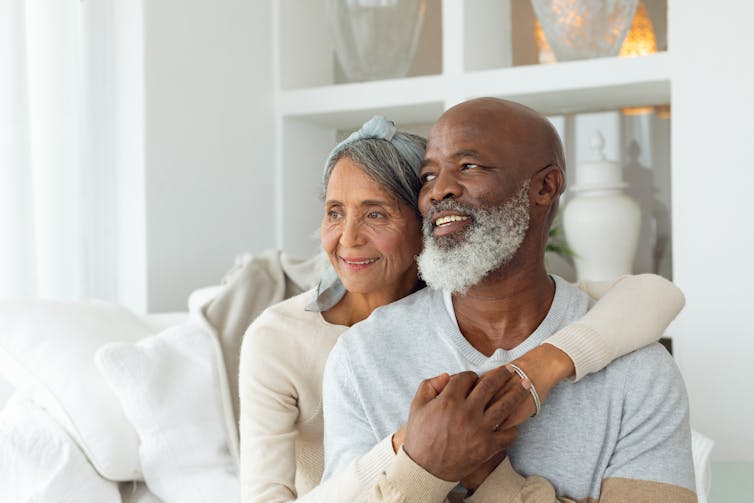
(352, 483)
(380, 476)
(268, 415)
(505, 484)
(404, 481)
(631, 312)
(270, 368)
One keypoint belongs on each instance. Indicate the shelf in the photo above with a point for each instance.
(578, 86)
(411, 100)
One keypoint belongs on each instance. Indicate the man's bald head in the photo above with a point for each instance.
(525, 131)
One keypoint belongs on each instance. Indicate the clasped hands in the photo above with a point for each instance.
(459, 426)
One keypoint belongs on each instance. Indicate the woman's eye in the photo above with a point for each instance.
(376, 214)
(333, 214)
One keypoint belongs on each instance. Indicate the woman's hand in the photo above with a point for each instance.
(545, 366)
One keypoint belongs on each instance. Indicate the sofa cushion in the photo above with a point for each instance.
(173, 388)
(47, 349)
(40, 462)
(253, 284)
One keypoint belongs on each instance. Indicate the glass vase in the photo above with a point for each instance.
(580, 29)
(375, 39)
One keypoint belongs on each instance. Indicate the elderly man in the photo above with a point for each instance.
(492, 176)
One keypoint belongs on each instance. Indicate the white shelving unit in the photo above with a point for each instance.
(311, 107)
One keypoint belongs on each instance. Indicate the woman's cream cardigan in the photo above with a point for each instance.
(283, 357)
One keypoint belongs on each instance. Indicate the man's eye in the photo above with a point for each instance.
(427, 177)
(469, 165)
(333, 214)
(376, 214)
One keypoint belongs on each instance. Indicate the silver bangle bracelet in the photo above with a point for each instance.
(532, 389)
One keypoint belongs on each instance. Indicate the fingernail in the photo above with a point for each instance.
(526, 384)
(510, 369)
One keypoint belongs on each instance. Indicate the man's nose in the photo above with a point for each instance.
(445, 186)
(352, 234)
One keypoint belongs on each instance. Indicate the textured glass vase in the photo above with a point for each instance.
(375, 39)
(580, 29)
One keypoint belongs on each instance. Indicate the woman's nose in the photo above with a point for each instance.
(445, 186)
(352, 234)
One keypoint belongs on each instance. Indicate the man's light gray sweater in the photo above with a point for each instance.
(628, 421)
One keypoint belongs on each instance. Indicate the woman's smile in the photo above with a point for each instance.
(358, 263)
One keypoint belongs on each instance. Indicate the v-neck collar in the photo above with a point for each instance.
(452, 333)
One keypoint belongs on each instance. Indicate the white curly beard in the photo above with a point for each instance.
(492, 239)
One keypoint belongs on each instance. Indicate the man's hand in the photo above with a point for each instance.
(451, 433)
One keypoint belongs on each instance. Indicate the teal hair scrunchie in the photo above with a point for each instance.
(377, 127)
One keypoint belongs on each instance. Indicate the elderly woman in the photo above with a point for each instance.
(371, 233)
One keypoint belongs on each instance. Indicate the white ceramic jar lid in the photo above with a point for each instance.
(599, 173)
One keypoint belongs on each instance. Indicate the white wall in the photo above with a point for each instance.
(181, 141)
(712, 177)
(208, 141)
(128, 154)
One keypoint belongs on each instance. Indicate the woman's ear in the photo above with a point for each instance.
(547, 185)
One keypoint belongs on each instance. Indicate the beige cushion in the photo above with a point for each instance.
(254, 283)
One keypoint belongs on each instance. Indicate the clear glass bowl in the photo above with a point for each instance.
(375, 39)
(580, 29)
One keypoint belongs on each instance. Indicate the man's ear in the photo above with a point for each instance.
(547, 185)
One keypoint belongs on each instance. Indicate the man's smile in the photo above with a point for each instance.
(446, 220)
(449, 222)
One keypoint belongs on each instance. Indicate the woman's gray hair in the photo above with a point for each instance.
(391, 157)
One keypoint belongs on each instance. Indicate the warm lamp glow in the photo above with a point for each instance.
(544, 51)
(640, 39)
(637, 110)
(663, 111)
(641, 36)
